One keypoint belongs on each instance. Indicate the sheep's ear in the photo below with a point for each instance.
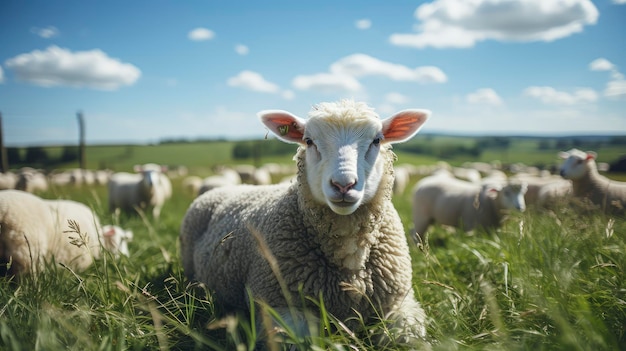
(403, 125)
(137, 168)
(591, 155)
(492, 192)
(284, 125)
(564, 155)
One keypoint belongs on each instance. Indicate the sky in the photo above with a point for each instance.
(145, 71)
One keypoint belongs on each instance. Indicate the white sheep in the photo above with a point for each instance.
(580, 167)
(31, 180)
(543, 189)
(225, 176)
(446, 200)
(7, 180)
(334, 233)
(33, 232)
(148, 189)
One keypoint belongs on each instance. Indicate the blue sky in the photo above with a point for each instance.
(142, 71)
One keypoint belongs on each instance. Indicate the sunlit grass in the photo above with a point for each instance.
(547, 280)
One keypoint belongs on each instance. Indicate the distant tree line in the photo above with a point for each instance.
(579, 143)
(38, 156)
(261, 148)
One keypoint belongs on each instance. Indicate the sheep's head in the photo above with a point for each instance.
(342, 142)
(116, 239)
(509, 196)
(577, 163)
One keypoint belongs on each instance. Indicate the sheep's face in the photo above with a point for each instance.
(509, 197)
(116, 239)
(343, 141)
(576, 164)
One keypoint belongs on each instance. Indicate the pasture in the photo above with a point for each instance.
(547, 280)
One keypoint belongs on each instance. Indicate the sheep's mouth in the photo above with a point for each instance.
(343, 203)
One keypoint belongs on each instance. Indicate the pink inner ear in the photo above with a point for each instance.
(284, 125)
(109, 232)
(590, 157)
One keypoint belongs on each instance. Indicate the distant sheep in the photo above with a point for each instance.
(31, 180)
(333, 233)
(8, 180)
(148, 189)
(34, 231)
(580, 167)
(225, 176)
(446, 200)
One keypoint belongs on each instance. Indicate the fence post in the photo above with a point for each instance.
(4, 159)
(81, 141)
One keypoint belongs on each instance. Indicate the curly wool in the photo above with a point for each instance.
(358, 262)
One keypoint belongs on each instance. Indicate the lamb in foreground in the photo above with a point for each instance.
(580, 167)
(334, 232)
(33, 231)
(446, 200)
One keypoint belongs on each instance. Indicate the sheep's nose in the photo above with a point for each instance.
(562, 173)
(343, 188)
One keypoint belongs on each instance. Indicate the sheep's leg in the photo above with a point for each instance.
(408, 322)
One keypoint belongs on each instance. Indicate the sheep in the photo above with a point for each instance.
(543, 189)
(333, 233)
(34, 231)
(146, 190)
(31, 180)
(446, 200)
(225, 176)
(580, 167)
(7, 180)
(401, 179)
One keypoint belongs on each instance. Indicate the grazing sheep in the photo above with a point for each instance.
(8, 180)
(543, 189)
(443, 199)
(401, 179)
(31, 180)
(34, 231)
(191, 184)
(333, 233)
(148, 189)
(225, 176)
(580, 167)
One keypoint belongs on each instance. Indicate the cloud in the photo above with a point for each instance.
(363, 24)
(46, 33)
(485, 96)
(601, 64)
(396, 98)
(60, 67)
(327, 83)
(462, 23)
(616, 86)
(551, 96)
(201, 34)
(619, 2)
(252, 81)
(359, 65)
(241, 49)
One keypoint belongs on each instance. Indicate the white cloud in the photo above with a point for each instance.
(601, 64)
(619, 2)
(201, 34)
(241, 49)
(327, 83)
(616, 86)
(615, 89)
(60, 67)
(485, 96)
(288, 94)
(396, 98)
(551, 96)
(253, 81)
(363, 24)
(358, 65)
(462, 23)
(46, 33)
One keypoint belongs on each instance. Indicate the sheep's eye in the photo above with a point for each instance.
(308, 142)
(376, 141)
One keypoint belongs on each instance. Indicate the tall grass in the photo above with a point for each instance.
(547, 280)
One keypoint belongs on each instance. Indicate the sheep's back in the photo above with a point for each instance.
(216, 244)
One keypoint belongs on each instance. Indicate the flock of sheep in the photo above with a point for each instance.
(330, 230)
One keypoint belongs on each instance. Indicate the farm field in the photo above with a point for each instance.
(547, 280)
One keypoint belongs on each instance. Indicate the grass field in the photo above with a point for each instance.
(547, 280)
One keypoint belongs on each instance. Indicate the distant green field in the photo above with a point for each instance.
(199, 157)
